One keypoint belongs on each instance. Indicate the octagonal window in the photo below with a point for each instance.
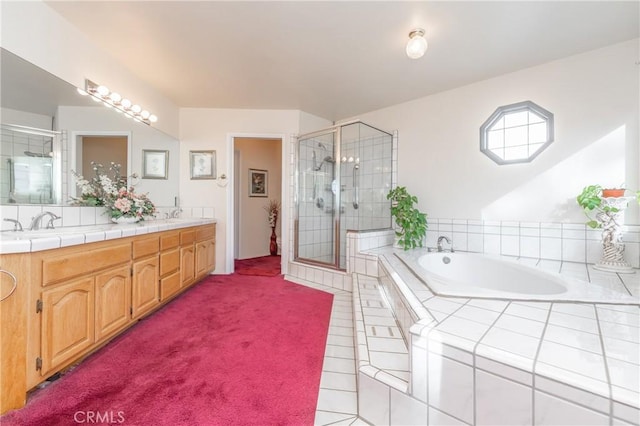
(516, 133)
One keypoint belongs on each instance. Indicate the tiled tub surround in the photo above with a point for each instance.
(572, 242)
(488, 361)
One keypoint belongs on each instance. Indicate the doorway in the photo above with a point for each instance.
(99, 147)
(256, 158)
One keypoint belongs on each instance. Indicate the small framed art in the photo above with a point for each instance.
(155, 164)
(258, 183)
(203, 164)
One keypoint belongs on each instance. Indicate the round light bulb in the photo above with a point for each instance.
(136, 109)
(153, 118)
(417, 44)
(145, 114)
(115, 97)
(126, 103)
(102, 91)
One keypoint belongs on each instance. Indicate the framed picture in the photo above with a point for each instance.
(155, 164)
(203, 164)
(257, 183)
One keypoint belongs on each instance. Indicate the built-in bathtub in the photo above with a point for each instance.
(481, 276)
(547, 350)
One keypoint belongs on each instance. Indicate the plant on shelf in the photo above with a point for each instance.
(273, 208)
(120, 201)
(605, 212)
(597, 211)
(412, 224)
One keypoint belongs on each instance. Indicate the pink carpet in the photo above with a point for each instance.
(266, 266)
(234, 350)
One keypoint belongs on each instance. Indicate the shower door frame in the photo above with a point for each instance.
(337, 141)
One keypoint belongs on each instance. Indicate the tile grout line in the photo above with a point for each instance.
(606, 367)
(535, 362)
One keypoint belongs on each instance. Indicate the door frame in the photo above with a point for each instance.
(73, 157)
(284, 202)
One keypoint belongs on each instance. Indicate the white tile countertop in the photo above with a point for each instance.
(46, 239)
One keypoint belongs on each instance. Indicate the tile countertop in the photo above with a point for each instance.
(29, 241)
(592, 347)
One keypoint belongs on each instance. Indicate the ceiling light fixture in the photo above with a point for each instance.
(417, 44)
(114, 100)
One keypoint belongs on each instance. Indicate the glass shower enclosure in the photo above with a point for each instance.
(343, 175)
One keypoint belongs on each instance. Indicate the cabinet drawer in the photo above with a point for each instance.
(169, 261)
(187, 237)
(72, 265)
(169, 285)
(205, 233)
(145, 247)
(169, 240)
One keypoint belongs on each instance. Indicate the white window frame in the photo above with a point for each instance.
(505, 110)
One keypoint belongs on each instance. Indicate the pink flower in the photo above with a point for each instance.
(123, 205)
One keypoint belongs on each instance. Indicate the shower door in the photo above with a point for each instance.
(317, 218)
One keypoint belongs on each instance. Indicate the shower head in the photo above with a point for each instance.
(321, 145)
(328, 159)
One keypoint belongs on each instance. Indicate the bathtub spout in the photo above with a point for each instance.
(443, 238)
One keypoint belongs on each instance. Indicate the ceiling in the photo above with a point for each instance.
(337, 59)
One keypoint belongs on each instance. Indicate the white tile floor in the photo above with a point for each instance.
(338, 399)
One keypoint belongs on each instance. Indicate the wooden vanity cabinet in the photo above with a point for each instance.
(187, 257)
(67, 322)
(73, 300)
(205, 255)
(169, 264)
(113, 301)
(145, 289)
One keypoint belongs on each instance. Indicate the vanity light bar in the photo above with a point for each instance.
(115, 100)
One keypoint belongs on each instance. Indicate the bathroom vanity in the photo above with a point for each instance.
(72, 296)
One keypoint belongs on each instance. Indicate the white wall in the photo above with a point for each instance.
(210, 128)
(35, 32)
(594, 98)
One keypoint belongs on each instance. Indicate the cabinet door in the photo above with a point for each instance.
(187, 265)
(145, 287)
(67, 322)
(113, 301)
(211, 256)
(205, 258)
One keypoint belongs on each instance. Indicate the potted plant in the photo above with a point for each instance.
(412, 224)
(604, 211)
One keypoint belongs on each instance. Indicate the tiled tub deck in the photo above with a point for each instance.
(485, 361)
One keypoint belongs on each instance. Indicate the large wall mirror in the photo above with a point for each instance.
(49, 129)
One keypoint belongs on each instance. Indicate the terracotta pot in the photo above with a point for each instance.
(607, 193)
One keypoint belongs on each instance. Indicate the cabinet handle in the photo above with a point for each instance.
(15, 283)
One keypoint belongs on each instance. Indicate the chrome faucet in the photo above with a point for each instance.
(175, 213)
(36, 222)
(17, 226)
(443, 238)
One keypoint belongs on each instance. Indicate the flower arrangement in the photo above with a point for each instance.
(272, 209)
(112, 193)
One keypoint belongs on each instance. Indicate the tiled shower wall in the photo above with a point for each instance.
(373, 178)
(570, 242)
(13, 146)
(376, 155)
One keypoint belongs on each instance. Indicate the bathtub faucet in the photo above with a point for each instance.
(440, 239)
